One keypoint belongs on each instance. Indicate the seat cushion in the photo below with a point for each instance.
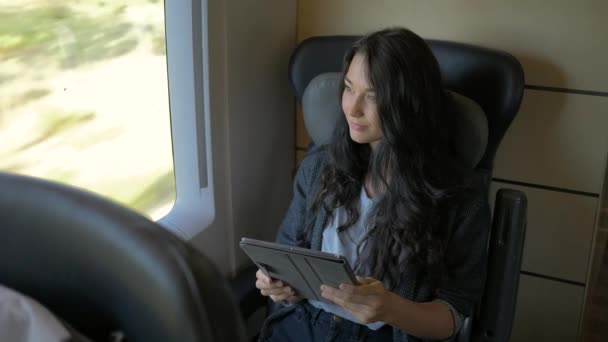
(321, 108)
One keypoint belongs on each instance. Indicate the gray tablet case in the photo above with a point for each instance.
(303, 269)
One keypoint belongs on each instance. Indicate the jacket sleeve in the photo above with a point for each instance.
(295, 219)
(466, 256)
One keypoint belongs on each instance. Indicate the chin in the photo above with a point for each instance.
(359, 139)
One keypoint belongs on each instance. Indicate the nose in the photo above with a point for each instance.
(352, 106)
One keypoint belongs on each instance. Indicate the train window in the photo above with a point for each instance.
(84, 97)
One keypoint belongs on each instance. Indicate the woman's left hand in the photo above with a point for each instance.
(367, 302)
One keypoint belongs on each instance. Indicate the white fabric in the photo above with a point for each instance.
(345, 243)
(22, 319)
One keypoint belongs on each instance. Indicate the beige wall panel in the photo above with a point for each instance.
(558, 140)
(259, 136)
(302, 138)
(546, 311)
(559, 232)
(561, 43)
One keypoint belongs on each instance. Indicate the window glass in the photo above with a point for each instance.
(84, 97)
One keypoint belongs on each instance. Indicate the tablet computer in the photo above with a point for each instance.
(304, 270)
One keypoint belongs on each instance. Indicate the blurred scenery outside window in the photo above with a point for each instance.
(84, 97)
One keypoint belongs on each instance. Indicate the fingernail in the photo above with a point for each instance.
(323, 287)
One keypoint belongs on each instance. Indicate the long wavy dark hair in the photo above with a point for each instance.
(414, 167)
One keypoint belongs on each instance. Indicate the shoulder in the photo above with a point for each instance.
(310, 167)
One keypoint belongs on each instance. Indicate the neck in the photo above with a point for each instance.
(374, 145)
(370, 190)
(372, 185)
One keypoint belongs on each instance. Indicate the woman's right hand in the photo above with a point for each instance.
(275, 289)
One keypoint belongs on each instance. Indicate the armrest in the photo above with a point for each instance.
(464, 335)
(247, 295)
(505, 251)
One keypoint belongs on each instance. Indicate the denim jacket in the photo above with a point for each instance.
(465, 255)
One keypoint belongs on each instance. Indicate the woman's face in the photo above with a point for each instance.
(359, 104)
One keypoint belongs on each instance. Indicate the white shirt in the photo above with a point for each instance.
(345, 243)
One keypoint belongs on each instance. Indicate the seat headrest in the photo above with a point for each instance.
(321, 108)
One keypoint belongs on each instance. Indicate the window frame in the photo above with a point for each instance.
(186, 22)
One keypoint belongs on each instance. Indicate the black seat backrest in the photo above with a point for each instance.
(495, 81)
(103, 268)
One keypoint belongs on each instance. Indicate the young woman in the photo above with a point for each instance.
(390, 194)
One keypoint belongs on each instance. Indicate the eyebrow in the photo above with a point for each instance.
(367, 90)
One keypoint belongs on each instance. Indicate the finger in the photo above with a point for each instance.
(268, 280)
(278, 291)
(281, 296)
(276, 283)
(275, 292)
(348, 294)
(272, 288)
(357, 291)
(262, 276)
(260, 284)
(365, 280)
(349, 288)
(360, 307)
(368, 287)
(345, 302)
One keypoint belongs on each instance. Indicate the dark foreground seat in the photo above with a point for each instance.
(103, 269)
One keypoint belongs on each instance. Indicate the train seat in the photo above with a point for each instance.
(488, 88)
(104, 269)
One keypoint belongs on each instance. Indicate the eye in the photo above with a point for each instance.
(371, 97)
(347, 88)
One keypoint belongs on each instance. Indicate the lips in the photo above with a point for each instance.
(356, 127)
